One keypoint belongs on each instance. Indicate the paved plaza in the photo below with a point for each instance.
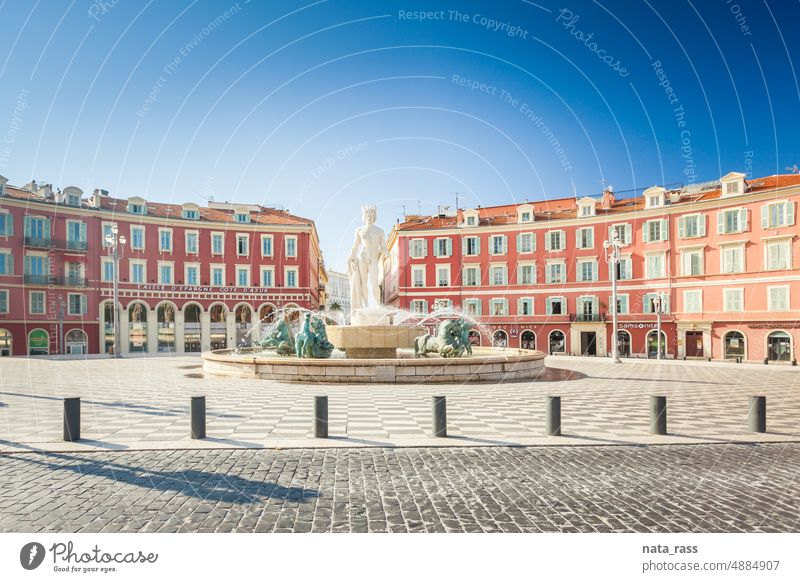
(684, 488)
(143, 403)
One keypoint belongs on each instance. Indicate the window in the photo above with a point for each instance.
(693, 301)
(472, 245)
(498, 244)
(190, 214)
(732, 188)
(242, 245)
(137, 271)
(692, 226)
(525, 216)
(36, 306)
(624, 269)
(498, 275)
(556, 306)
(36, 265)
(498, 307)
(3, 301)
(587, 210)
(73, 200)
(692, 262)
(732, 259)
(623, 232)
(526, 242)
(165, 240)
(555, 272)
(778, 255)
(242, 217)
(6, 262)
(107, 272)
(76, 304)
(732, 299)
(623, 307)
(443, 276)
(418, 248)
(778, 298)
(655, 200)
(584, 238)
(192, 275)
(291, 277)
(243, 277)
(526, 274)
(472, 276)
(192, 242)
(472, 220)
(165, 273)
(218, 276)
(554, 240)
(107, 231)
(650, 303)
(473, 306)
(655, 231)
(217, 243)
(76, 232)
(37, 229)
(525, 213)
(418, 276)
(587, 270)
(419, 306)
(6, 224)
(525, 306)
(266, 245)
(137, 208)
(655, 266)
(291, 246)
(777, 214)
(267, 277)
(732, 221)
(137, 238)
(442, 247)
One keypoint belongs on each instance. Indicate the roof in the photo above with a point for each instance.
(564, 208)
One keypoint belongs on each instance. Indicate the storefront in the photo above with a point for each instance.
(38, 343)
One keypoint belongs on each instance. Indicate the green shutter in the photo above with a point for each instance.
(682, 227)
(9, 224)
(46, 228)
(505, 244)
(701, 225)
(765, 216)
(477, 245)
(548, 307)
(83, 232)
(646, 232)
(464, 246)
(790, 213)
(547, 241)
(27, 226)
(720, 222)
(743, 216)
(84, 309)
(27, 265)
(449, 247)
(664, 229)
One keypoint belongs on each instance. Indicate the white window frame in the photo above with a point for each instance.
(739, 246)
(448, 245)
(30, 302)
(685, 253)
(492, 267)
(271, 239)
(286, 239)
(412, 248)
(743, 220)
(477, 240)
(686, 303)
(161, 248)
(296, 271)
(562, 240)
(4, 293)
(683, 226)
(477, 269)
(171, 265)
(415, 303)
(532, 265)
(725, 303)
(446, 267)
(503, 245)
(216, 267)
(246, 237)
(627, 303)
(103, 262)
(595, 270)
(139, 228)
(498, 301)
(548, 273)
(221, 237)
(186, 267)
(418, 269)
(239, 270)
(520, 302)
(782, 242)
(579, 237)
(186, 234)
(788, 214)
(82, 302)
(787, 306)
(532, 248)
(271, 271)
(627, 232)
(137, 263)
(647, 273)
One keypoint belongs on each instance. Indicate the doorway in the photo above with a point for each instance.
(779, 347)
(624, 343)
(694, 344)
(588, 343)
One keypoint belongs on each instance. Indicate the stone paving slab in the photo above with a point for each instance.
(142, 403)
(700, 488)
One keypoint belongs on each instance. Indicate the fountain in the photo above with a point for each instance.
(380, 345)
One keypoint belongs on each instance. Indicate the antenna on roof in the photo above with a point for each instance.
(794, 169)
(457, 202)
(207, 197)
(419, 207)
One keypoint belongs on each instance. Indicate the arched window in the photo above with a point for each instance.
(500, 339)
(557, 341)
(623, 343)
(244, 316)
(137, 327)
(779, 346)
(166, 327)
(527, 340)
(191, 328)
(219, 331)
(267, 314)
(108, 327)
(76, 342)
(474, 338)
(733, 345)
(38, 343)
(652, 344)
(6, 343)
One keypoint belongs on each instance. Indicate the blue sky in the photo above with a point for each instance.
(322, 106)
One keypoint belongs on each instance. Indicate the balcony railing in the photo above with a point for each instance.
(588, 317)
(70, 281)
(53, 243)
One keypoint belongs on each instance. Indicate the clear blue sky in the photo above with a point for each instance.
(322, 106)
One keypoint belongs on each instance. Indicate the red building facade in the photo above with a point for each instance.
(721, 256)
(191, 278)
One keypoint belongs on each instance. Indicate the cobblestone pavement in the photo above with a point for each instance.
(143, 403)
(698, 488)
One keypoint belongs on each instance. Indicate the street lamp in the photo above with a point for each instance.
(658, 305)
(115, 242)
(61, 348)
(612, 252)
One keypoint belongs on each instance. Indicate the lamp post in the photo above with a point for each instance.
(658, 303)
(61, 347)
(115, 242)
(612, 252)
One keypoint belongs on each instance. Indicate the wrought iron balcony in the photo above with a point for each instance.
(588, 317)
(52, 243)
(70, 281)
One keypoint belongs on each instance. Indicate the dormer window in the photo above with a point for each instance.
(137, 209)
(190, 214)
(525, 213)
(72, 196)
(733, 184)
(654, 197)
(242, 217)
(525, 217)
(586, 207)
(72, 200)
(471, 218)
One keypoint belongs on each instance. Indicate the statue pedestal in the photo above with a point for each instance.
(371, 316)
(373, 341)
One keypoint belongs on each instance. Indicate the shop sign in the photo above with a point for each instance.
(39, 339)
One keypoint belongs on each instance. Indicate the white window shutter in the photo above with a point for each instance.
(449, 246)
(743, 219)
(701, 225)
(563, 240)
(477, 245)
(411, 248)
(790, 213)
(682, 227)
(547, 241)
(720, 222)
(519, 243)
(424, 248)
(435, 247)
(765, 216)
(533, 241)
(628, 237)
(646, 232)
(590, 238)
(84, 309)
(578, 238)
(464, 246)
(664, 229)
(505, 244)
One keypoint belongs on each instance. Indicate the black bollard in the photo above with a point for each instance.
(766, 361)
(758, 414)
(321, 417)
(198, 429)
(658, 414)
(553, 416)
(439, 416)
(72, 419)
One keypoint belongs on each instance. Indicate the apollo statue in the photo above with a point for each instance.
(365, 264)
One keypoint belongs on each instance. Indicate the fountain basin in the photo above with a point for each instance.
(484, 365)
(373, 341)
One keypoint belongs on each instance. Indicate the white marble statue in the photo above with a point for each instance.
(365, 264)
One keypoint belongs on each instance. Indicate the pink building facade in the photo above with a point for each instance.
(722, 257)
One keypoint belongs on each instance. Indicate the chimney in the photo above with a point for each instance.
(608, 198)
(3, 182)
(98, 193)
